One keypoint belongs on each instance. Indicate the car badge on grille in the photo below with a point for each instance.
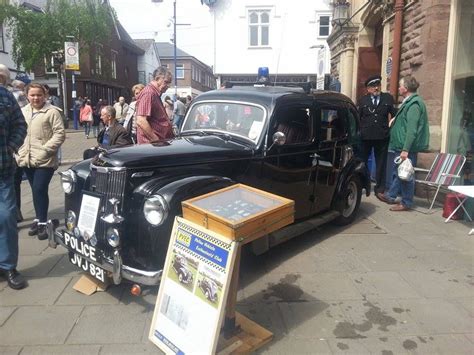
(113, 217)
(86, 236)
(93, 240)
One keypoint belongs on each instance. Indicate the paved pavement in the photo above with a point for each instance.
(390, 283)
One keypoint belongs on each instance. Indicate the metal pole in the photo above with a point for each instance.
(74, 108)
(174, 57)
(63, 73)
(397, 45)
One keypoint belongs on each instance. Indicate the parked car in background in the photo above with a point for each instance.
(283, 140)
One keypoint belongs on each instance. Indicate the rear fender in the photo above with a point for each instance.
(357, 167)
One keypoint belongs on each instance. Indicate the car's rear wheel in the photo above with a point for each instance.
(349, 203)
(208, 296)
(180, 278)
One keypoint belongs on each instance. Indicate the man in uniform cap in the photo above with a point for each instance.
(376, 109)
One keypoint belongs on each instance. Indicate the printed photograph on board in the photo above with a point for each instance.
(183, 270)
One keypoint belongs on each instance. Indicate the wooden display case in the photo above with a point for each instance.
(240, 212)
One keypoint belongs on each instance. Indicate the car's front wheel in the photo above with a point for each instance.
(348, 205)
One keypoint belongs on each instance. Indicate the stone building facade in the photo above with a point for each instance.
(436, 34)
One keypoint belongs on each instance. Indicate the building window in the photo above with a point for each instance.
(180, 71)
(324, 25)
(259, 28)
(49, 65)
(2, 40)
(113, 63)
(98, 59)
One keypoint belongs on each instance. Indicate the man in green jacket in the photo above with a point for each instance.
(408, 136)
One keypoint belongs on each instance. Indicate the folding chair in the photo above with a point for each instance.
(445, 171)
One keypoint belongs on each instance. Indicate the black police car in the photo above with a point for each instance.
(284, 140)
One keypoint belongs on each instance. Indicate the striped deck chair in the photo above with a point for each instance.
(445, 171)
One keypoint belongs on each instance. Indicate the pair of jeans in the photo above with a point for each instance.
(39, 179)
(95, 130)
(178, 120)
(380, 147)
(400, 187)
(87, 128)
(8, 228)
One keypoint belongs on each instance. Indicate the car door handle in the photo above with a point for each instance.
(315, 155)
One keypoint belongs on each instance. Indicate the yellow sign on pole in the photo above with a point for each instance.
(71, 55)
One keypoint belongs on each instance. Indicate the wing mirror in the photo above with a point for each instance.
(279, 138)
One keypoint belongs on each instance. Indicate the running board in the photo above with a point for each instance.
(263, 244)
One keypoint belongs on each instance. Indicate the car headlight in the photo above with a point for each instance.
(113, 237)
(71, 220)
(155, 209)
(68, 181)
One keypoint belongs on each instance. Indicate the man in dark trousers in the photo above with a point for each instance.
(376, 109)
(113, 134)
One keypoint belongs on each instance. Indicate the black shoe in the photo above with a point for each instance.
(33, 229)
(42, 232)
(14, 279)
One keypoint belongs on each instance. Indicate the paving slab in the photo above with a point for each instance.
(311, 320)
(346, 346)
(329, 286)
(432, 284)
(37, 265)
(64, 267)
(129, 349)
(72, 297)
(61, 349)
(375, 318)
(438, 344)
(437, 242)
(30, 246)
(438, 316)
(265, 314)
(383, 284)
(39, 325)
(10, 350)
(39, 292)
(5, 313)
(292, 345)
(108, 325)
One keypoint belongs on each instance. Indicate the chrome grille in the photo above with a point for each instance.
(110, 183)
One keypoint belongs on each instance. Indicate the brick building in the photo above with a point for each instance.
(437, 47)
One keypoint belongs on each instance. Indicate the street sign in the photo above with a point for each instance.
(71, 55)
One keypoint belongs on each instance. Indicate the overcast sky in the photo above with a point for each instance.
(144, 19)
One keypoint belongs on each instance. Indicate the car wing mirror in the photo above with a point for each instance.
(279, 138)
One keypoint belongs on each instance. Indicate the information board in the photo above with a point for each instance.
(193, 291)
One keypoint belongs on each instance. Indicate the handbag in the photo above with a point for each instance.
(405, 169)
(90, 118)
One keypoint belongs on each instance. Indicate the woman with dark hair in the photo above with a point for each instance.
(38, 156)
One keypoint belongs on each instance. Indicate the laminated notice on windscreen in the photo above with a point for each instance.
(193, 290)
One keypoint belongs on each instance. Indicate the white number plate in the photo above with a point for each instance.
(85, 265)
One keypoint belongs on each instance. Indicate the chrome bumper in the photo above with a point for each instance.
(114, 266)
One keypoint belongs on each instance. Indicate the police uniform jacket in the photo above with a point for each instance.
(374, 118)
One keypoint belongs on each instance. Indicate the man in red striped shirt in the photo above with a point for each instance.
(153, 123)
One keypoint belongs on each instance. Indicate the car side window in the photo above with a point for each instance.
(295, 123)
(333, 123)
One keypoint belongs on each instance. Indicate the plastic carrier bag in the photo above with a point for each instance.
(405, 169)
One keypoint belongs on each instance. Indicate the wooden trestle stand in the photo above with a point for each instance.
(242, 214)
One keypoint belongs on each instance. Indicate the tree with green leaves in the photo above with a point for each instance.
(36, 34)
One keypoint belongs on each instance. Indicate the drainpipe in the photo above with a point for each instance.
(397, 46)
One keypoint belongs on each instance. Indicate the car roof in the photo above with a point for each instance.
(268, 95)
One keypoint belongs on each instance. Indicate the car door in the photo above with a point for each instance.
(287, 169)
(332, 139)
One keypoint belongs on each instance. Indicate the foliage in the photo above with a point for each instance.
(37, 34)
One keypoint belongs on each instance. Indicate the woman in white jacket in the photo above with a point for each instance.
(38, 155)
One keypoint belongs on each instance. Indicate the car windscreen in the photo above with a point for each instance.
(242, 119)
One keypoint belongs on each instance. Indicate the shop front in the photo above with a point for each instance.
(458, 112)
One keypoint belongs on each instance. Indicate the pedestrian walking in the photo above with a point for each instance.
(38, 154)
(96, 117)
(121, 107)
(18, 90)
(376, 109)
(130, 123)
(86, 117)
(179, 112)
(153, 124)
(12, 135)
(408, 136)
(169, 107)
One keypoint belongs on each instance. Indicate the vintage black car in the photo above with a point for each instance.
(208, 288)
(282, 140)
(180, 266)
